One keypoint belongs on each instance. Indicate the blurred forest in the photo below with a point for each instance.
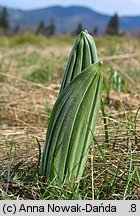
(112, 28)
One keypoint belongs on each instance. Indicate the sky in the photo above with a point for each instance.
(122, 7)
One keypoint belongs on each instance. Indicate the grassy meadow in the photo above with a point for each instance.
(31, 69)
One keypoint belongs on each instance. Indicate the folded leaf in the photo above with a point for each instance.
(69, 132)
(83, 54)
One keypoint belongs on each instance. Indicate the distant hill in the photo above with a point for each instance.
(67, 18)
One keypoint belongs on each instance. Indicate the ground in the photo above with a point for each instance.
(31, 69)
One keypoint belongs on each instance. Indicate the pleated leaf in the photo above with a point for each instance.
(82, 55)
(73, 118)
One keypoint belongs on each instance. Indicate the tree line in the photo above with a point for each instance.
(112, 27)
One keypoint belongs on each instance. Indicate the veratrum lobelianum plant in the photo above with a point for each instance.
(74, 114)
(83, 54)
